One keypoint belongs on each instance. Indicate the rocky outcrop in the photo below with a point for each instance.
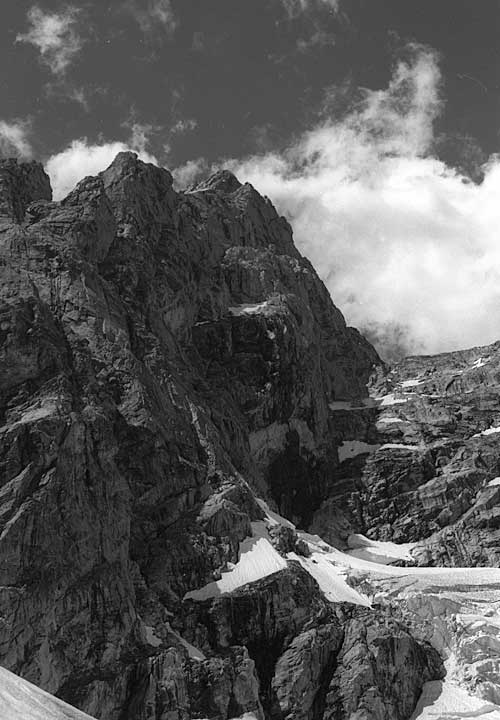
(20, 185)
(427, 465)
(380, 673)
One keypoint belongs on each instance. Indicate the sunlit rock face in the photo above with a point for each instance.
(182, 408)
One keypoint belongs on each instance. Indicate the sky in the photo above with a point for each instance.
(373, 125)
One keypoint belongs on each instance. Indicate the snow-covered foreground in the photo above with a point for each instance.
(20, 700)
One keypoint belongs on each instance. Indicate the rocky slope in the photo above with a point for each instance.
(169, 363)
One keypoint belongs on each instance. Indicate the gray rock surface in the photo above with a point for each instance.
(427, 471)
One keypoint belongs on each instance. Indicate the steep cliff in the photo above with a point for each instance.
(171, 369)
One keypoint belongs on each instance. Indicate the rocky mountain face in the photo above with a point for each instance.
(426, 469)
(183, 413)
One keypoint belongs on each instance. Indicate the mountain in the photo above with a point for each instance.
(216, 501)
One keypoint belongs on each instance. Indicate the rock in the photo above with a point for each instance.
(20, 185)
(380, 671)
(303, 671)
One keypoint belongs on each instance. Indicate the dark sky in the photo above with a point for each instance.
(231, 77)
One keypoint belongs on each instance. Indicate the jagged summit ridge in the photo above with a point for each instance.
(223, 181)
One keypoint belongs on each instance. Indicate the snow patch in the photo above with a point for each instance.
(411, 383)
(258, 559)
(331, 579)
(193, 651)
(494, 483)
(272, 517)
(479, 363)
(352, 448)
(390, 399)
(399, 446)
(389, 420)
(489, 431)
(252, 309)
(379, 551)
(340, 405)
(151, 637)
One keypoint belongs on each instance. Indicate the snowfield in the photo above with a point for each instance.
(20, 700)
(378, 552)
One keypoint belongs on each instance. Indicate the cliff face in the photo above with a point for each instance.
(169, 362)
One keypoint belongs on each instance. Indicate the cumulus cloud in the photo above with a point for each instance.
(14, 139)
(82, 158)
(406, 244)
(151, 14)
(55, 35)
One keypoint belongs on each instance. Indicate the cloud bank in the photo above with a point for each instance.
(82, 158)
(55, 36)
(407, 246)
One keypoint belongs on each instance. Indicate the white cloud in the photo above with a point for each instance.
(294, 8)
(318, 39)
(82, 158)
(189, 173)
(151, 14)
(55, 36)
(407, 246)
(14, 139)
(183, 126)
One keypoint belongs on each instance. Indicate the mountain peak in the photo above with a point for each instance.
(223, 181)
